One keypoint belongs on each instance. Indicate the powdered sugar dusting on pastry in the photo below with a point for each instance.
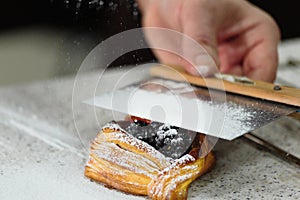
(113, 125)
(131, 161)
(140, 145)
(179, 162)
(169, 140)
(124, 162)
(168, 179)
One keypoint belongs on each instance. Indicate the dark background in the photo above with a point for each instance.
(93, 17)
(100, 19)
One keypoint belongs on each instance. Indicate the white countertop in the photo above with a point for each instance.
(43, 157)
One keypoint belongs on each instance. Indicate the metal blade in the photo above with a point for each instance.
(212, 112)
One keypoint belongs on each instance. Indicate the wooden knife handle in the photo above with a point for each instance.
(247, 87)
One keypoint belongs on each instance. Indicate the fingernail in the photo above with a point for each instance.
(205, 70)
(205, 65)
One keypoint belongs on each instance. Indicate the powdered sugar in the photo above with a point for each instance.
(163, 134)
(113, 125)
(168, 179)
(126, 159)
(179, 162)
(140, 145)
(216, 113)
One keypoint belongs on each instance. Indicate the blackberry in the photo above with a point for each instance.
(170, 140)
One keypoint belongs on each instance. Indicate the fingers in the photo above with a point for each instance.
(199, 44)
(249, 48)
(196, 50)
(165, 43)
(201, 53)
(232, 34)
(262, 66)
(261, 60)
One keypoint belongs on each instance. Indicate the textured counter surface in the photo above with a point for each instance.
(43, 156)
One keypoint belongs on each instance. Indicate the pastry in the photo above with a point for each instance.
(148, 158)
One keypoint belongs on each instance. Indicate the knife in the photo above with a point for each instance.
(234, 84)
(224, 106)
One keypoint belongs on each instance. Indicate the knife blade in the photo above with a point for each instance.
(213, 112)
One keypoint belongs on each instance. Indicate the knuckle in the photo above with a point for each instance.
(269, 20)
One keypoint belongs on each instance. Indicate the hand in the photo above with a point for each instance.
(239, 37)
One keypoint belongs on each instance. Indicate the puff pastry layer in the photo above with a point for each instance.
(121, 161)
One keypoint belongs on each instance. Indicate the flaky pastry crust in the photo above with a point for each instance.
(126, 163)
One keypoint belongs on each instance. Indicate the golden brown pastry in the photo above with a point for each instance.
(122, 161)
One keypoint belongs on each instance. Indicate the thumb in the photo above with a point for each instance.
(199, 47)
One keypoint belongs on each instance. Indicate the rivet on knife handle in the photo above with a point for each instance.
(258, 89)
